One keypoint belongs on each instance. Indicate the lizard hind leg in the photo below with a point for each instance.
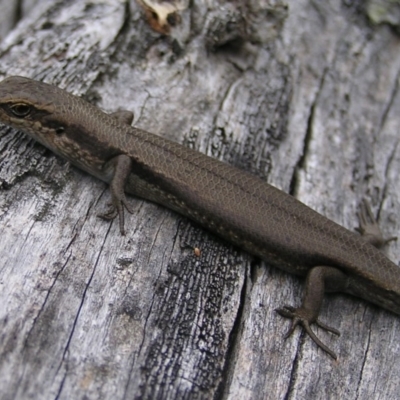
(369, 228)
(320, 279)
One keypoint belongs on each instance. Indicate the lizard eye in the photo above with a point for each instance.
(20, 110)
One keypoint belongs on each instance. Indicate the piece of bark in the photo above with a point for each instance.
(14, 11)
(309, 103)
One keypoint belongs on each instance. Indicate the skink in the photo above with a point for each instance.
(230, 202)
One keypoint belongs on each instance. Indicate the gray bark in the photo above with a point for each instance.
(13, 11)
(309, 102)
(8, 17)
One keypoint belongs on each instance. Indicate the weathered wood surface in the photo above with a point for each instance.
(310, 105)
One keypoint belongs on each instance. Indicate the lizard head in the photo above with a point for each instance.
(22, 98)
(64, 123)
(33, 107)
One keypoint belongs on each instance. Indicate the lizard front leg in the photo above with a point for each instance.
(121, 166)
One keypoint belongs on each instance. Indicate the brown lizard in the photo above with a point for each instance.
(234, 204)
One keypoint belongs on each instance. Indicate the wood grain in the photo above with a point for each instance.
(309, 102)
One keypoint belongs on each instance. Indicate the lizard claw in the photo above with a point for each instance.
(369, 227)
(109, 215)
(117, 209)
(300, 316)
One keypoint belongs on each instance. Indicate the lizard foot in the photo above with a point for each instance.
(301, 316)
(110, 214)
(120, 167)
(369, 228)
(117, 209)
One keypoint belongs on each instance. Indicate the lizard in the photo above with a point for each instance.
(230, 202)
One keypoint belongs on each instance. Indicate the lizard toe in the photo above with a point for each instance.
(302, 316)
